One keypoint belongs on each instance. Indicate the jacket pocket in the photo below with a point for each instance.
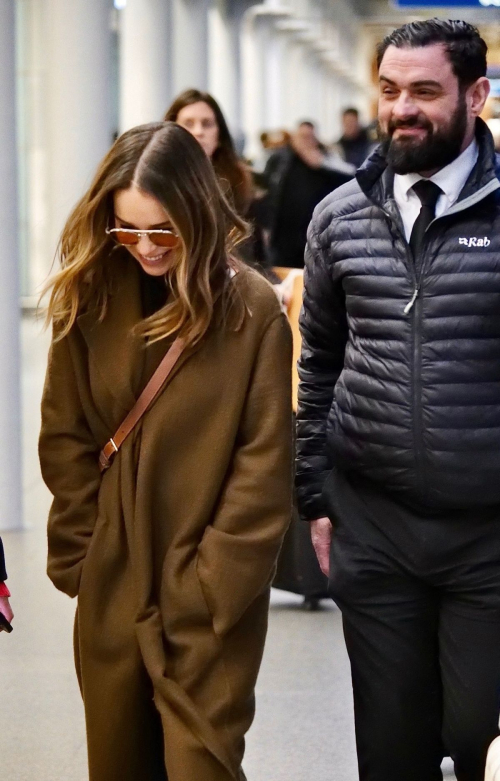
(233, 573)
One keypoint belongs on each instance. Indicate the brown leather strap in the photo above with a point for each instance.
(142, 404)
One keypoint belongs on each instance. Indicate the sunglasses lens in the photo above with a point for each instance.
(122, 237)
(169, 240)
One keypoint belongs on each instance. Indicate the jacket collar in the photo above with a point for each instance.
(124, 362)
(376, 178)
(112, 345)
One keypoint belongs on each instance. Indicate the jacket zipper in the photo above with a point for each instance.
(416, 384)
(415, 307)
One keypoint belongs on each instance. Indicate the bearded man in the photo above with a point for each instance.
(399, 419)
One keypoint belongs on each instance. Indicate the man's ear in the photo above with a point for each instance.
(477, 94)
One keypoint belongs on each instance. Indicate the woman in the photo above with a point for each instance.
(171, 551)
(200, 113)
(5, 608)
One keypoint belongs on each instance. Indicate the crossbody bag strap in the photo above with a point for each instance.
(142, 404)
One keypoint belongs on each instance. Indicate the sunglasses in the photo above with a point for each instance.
(130, 236)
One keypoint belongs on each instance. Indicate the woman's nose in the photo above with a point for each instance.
(145, 246)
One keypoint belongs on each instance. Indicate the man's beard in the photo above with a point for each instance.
(435, 151)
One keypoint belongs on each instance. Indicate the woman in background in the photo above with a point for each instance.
(200, 113)
(172, 550)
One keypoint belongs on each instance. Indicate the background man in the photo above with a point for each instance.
(399, 416)
(298, 177)
(354, 144)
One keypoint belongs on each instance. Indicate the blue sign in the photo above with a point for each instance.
(447, 3)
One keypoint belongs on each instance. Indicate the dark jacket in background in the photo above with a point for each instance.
(355, 150)
(3, 572)
(295, 189)
(407, 396)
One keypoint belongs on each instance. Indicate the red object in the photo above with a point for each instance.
(4, 591)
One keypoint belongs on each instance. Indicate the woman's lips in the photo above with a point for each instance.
(153, 259)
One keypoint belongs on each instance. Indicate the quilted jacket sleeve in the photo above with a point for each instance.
(324, 333)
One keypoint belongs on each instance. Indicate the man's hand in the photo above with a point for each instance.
(321, 536)
(6, 609)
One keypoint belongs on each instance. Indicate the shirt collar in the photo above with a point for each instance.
(451, 179)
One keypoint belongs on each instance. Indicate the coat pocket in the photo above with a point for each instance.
(233, 573)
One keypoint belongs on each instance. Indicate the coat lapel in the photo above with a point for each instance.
(125, 364)
(117, 352)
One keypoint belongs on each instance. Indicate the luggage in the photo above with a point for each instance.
(298, 569)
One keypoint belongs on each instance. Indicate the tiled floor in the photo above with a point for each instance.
(303, 729)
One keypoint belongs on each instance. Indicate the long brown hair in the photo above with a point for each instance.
(166, 162)
(225, 161)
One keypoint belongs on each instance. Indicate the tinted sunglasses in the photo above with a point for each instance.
(130, 236)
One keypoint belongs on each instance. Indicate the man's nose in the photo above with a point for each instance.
(404, 107)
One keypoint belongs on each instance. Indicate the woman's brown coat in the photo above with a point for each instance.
(172, 551)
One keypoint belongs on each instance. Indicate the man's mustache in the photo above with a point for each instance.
(411, 122)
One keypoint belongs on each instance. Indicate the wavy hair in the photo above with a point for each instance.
(228, 167)
(166, 162)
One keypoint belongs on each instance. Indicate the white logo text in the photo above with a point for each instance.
(475, 242)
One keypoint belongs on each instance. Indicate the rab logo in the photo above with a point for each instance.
(475, 242)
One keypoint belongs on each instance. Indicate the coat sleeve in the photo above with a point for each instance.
(3, 571)
(238, 552)
(69, 462)
(324, 337)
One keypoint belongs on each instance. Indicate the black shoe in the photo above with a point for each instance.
(311, 603)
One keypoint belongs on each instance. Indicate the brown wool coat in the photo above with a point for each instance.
(172, 551)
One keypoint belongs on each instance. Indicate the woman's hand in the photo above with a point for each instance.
(284, 289)
(6, 609)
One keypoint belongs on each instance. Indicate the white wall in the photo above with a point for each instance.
(304, 63)
(267, 69)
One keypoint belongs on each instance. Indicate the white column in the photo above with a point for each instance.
(145, 78)
(79, 113)
(10, 447)
(253, 38)
(223, 59)
(32, 144)
(189, 43)
(297, 83)
(276, 82)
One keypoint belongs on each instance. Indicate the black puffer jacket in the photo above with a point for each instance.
(405, 394)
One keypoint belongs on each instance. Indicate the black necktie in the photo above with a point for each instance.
(428, 193)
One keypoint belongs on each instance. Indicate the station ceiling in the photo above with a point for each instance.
(382, 16)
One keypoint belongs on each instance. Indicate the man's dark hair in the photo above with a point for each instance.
(462, 41)
(350, 110)
(307, 123)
